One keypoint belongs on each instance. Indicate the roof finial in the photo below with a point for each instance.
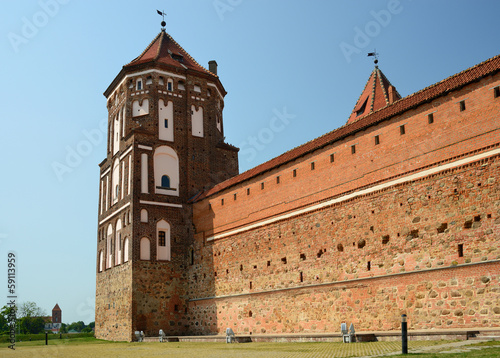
(374, 54)
(163, 23)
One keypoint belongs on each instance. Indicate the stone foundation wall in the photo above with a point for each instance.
(114, 304)
(444, 222)
(456, 297)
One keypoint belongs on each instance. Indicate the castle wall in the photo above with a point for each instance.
(427, 248)
(358, 161)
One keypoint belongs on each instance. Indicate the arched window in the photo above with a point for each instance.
(145, 249)
(165, 181)
(170, 85)
(163, 240)
(166, 164)
(125, 250)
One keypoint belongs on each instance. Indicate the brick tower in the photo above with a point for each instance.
(165, 146)
(56, 315)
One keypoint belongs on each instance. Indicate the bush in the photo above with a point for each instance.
(41, 336)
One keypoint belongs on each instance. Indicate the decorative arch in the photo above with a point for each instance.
(101, 260)
(166, 164)
(115, 180)
(118, 242)
(109, 246)
(166, 120)
(140, 109)
(145, 253)
(116, 133)
(197, 121)
(144, 216)
(163, 240)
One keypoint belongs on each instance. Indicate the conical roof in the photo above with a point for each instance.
(164, 52)
(164, 49)
(377, 94)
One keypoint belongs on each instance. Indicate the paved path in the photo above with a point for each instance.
(452, 347)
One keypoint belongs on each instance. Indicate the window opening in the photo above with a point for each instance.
(430, 118)
(165, 181)
(362, 109)
(460, 250)
(462, 106)
(161, 238)
(377, 140)
(402, 130)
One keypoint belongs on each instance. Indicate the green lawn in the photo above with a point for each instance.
(90, 347)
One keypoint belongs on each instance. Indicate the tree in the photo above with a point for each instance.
(77, 326)
(4, 323)
(31, 325)
(92, 324)
(64, 328)
(30, 309)
(30, 318)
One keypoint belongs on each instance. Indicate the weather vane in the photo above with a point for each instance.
(374, 54)
(163, 23)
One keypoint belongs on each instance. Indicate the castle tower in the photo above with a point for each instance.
(165, 146)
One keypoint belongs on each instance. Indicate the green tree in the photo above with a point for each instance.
(31, 325)
(64, 328)
(4, 324)
(30, 318)
(30, 309)
(77, 326)
(92, 324)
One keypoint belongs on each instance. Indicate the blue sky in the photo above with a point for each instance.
(303, 59)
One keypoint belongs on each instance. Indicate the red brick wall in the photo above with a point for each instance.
(403, 230)
(452, 134)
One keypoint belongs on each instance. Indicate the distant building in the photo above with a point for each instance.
(55, 322)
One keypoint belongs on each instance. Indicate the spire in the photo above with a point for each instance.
(378, 93)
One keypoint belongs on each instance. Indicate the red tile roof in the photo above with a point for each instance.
(449, 84)
(164, 49)
(375, 95)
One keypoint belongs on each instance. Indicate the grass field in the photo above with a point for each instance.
(90, 348)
